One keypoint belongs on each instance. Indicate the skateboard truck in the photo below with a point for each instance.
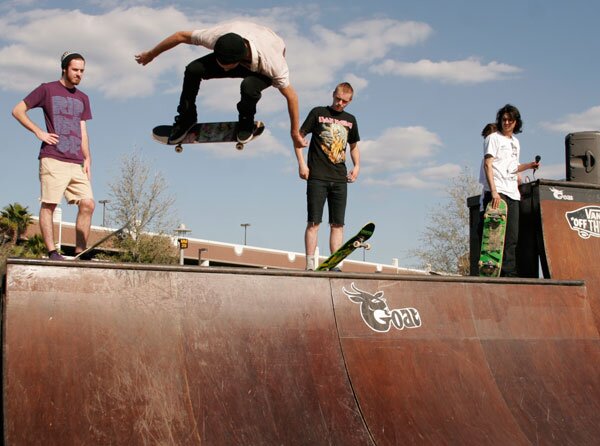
(361, 244)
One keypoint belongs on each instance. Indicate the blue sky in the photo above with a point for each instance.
(427, 76)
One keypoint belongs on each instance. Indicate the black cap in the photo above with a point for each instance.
(68, 57)
(230, 48)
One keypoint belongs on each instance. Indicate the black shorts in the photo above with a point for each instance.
(319, 191)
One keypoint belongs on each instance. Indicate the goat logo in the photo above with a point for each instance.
(560, 194)
(377, 315)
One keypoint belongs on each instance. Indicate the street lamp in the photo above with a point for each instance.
(103, 203)
(245, 226)
(181, 232)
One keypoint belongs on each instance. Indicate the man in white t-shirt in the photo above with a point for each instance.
(240, 50)
(499, 176)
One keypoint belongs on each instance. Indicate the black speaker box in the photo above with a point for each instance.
(582, 149)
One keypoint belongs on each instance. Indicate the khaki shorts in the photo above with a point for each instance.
(58, 178)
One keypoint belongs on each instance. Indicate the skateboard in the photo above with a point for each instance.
(99, 242)
(358, 241)
(206, 132)
(492, 240)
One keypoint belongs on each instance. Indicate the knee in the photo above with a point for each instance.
(194, 69)
(251, 87)
(87, 206)
(312, 227)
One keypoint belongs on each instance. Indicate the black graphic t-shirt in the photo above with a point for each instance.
(331, 132)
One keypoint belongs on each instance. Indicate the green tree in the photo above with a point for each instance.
(444, 243)
(14, 220)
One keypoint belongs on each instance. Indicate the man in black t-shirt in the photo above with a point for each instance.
(327, 178)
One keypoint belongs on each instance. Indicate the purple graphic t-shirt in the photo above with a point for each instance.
(64, 109)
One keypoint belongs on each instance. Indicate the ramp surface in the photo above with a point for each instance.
(113, 355)
(570, 217)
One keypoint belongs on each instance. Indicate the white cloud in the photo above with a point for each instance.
(466, 71)
(401, 157)
(576, 122)
(108, 42)
(33, 41)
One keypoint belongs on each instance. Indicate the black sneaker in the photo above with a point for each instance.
(86, 256)
(181, 126)
(245, 129)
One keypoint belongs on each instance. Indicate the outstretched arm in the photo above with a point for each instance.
(292, 103)
(172, 41)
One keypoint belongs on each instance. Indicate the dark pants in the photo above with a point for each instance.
(319, 191)
(207, 68)
(509, 259)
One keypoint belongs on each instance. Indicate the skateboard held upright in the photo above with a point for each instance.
(492, 240)
(358, 241)
(206, 132)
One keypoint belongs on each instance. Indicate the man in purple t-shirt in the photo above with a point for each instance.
(65, 161)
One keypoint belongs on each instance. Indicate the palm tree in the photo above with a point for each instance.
(34, 247)
(14, 220)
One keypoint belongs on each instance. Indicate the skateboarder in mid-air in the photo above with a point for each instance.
(240, 50)
(499, 177)
(327, 178)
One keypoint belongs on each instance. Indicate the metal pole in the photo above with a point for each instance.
(245, 225)
(103, 202)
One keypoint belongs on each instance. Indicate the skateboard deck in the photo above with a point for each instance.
(99, 242)
(206, 132)
(358, 241)
(492, 240)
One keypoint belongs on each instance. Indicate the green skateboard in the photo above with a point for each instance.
(358, 241)
(492, 240)
(206, 132)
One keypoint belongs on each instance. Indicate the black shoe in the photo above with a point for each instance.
(181, 126)
(245, 130)
(86, 256)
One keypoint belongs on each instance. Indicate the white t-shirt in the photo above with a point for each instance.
(268, 49)
(505, 152)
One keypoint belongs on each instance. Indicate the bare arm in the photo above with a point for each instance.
(303, 170)
(85, 148)
(172, 41)
(20, 114)
(532, 165)
(489, 175)
(292, 103)
(355, 155)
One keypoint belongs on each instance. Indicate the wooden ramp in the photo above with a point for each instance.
(569, 214)
(114, 354)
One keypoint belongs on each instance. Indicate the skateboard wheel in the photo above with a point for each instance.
(367, 246)
(356, 244)
(178, 148)
(239, 146)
